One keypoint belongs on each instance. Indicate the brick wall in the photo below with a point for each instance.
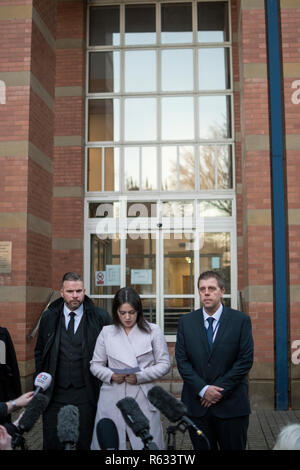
(27, 66)
(68, 184)
(255, 236)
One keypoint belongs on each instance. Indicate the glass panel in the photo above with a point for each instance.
(177, 70)
(178, 264)
(140, 24)
(215, 166)
(176, 23)
(95, 169)
(149, 168)
(178, 118)
(178, 209)
(214, 117)
(132, 168)
(111, 169)
(104, 209)
(141, 209)
(173, 308)
(140, 71)
(104, 119)
(207, 167)
(105, 254)
(215, 208)
(105, 26)
(215, 255)
(149, 308)
(213, 69)
(186, 168)
(224, 166)
(140, 119)
(213, 22)
(104, 72)
(141, 262)
(169, 168)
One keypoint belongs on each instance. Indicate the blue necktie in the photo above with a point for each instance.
(210, 331)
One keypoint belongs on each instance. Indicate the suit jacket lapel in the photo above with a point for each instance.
(200, 328)
(222, 328)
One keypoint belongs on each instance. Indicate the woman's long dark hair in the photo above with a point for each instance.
(127, 295)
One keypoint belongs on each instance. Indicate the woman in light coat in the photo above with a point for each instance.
(130, 342)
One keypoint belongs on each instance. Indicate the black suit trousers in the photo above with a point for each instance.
(87, 414)
(222, 434)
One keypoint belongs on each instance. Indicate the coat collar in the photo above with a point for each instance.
(127, 348)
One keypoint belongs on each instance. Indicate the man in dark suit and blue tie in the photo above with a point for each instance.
(214, 353)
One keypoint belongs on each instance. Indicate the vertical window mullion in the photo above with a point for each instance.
(140, 168)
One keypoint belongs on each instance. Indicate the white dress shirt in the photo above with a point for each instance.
(215, 326)
(77, 318)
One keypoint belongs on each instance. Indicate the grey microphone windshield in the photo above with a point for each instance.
(68, 425)
(172, 408)
(33, 411)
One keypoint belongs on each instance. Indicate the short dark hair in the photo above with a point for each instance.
(209, 274)
(127, 295)
(71, 276)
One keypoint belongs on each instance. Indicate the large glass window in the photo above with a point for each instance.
(159, 153)
(160, 75)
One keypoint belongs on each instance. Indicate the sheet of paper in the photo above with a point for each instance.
(128, 371)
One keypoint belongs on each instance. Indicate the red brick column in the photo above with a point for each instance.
(27, 67)
(68, 182)
(255, 256)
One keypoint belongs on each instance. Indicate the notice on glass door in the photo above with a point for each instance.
(109, 277)
(141, 276)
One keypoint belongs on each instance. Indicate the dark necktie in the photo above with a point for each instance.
(71, 324)
(210, 331)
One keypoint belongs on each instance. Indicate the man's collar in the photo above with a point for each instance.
(216, 315)
(78, 311)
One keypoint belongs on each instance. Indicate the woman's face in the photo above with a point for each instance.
(127, 316)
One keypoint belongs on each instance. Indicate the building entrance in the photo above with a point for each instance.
(161, 256)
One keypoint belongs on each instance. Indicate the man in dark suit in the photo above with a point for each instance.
(214, 353)
(66, 340)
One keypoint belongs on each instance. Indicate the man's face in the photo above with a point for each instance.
(73, 294)
(210, 294)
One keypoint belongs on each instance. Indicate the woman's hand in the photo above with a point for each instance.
(118, 378)
(131, 379)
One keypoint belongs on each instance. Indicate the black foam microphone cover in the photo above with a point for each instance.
(33, 411)
(68, 424)
(107, 434)
(169, 406)
(133, 415)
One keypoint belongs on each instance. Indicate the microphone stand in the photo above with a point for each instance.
(171, 432)
(182, 427)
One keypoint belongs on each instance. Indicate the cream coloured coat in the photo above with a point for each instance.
(114, 348)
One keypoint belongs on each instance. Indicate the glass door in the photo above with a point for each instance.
(161, 259)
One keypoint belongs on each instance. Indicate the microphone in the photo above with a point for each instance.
(68, 426)
(172, 408)
(107, 434)
(137, 421)
(33, 410)
(42, 382)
